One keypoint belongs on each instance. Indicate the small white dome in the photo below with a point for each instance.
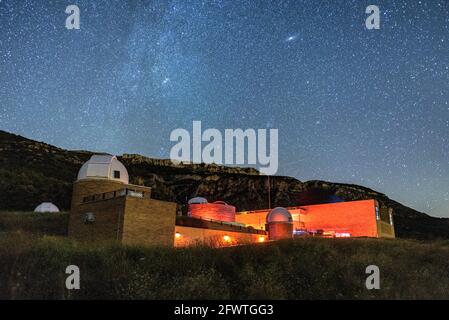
(279, 214)
(104, 167)
(46, 207)
(197, 200)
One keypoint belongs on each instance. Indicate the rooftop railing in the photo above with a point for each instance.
(117, 193)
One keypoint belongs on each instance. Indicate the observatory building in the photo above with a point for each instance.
(363, 218)
(106, 207)
(279, 224)
(213, 224)
(46, 207)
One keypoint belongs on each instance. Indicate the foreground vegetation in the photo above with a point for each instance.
(34, 253)
(33, 267)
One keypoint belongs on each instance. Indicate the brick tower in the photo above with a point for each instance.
(105, 207)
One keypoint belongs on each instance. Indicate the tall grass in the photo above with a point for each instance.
(33, 267)
(37, 223)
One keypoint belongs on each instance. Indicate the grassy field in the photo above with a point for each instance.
(33, 266)
(41, 224)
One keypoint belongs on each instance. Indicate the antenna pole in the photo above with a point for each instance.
(269, 193)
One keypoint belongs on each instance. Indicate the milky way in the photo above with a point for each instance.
(352, 105)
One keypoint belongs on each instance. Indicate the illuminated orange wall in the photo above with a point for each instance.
(216, 238)
(214, 211)
(255, 219)
(356, 217)
(280, 230)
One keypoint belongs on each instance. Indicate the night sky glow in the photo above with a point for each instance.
(352, 105)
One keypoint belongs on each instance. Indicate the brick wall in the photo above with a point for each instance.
(108, 220)
(149, 222)
(89, 187)
(123, 218)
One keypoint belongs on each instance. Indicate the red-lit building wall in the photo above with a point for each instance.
(257, 218)
(279, 230)
(358, 218)
(214, 211)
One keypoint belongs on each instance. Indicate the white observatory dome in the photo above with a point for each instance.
(197, 200)
(104, 167)
(279, 214)
(46, 207)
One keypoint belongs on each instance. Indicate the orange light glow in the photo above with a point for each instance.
(261, 239)
(345, 219)
(177, 235)
(342, 235)
(227, 238)
(215, 211)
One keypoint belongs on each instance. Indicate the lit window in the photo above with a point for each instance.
(391, 218)
(342, 235)
(116, 174)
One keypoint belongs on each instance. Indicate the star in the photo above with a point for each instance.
(358, 106)
(291, 38)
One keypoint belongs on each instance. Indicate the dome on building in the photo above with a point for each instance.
(279, 214)
(104, 167)
(197, 200)
(46, 207)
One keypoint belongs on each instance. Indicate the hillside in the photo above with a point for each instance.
(32, 172)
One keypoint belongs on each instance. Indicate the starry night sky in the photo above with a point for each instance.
(369, 107)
